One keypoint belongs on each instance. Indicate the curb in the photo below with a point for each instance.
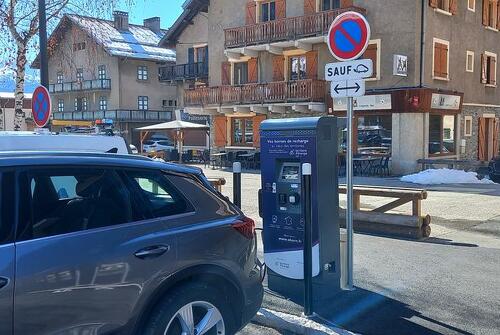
(294, 324)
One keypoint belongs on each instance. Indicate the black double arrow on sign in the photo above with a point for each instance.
(338, 88)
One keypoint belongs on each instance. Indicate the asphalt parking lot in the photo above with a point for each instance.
(447, 284)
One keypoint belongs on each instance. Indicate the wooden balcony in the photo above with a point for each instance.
(288, 29)
(308, 90)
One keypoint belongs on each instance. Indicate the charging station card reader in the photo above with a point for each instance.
(285, 145)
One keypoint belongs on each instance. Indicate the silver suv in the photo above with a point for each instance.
(109, 244)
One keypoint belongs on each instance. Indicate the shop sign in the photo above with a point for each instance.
(400, 67)
(367, 102)
(445, 101)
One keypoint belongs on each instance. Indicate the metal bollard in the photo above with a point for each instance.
(307, 211)
(237, 184)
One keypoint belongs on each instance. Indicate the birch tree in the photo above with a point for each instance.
(19, 25)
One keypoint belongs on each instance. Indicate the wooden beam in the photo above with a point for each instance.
(393, 204)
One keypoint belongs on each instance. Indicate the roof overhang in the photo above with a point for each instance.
(191, 9)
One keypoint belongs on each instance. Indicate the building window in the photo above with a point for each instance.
(468, 126)
(373, 53)
(298, 67)
(268, 11)
(440, 64)
(489, 69)
(142, 73)
(142, 103)
(374, 131)
(60, 105)
(444, 5)
(103, 103)
(101, 72)
(471, 5)
(490, 13)
(79, 75)
(60, 77)
(79, 46)
(469, 63)
(242, 131)
(81, 104)
(442, 135)
(240, 73)
(330, 4)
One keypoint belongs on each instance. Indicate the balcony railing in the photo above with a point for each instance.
(286, 29)
(308, 90)
(77, 86)
(116, 115)
(189, 71)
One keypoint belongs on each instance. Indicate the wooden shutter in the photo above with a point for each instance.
(496, 135)
(251, 12)
(280, 9)
(444, 60)
(257, 120)
(453, 7)
(437, 60)
(226, 73)
(220, 129)
(486, 10)
(253, 70)
(440, 60)
(278, 68)
(309, 7)
(498, 16)
(371, 53)
(346, 3)
(484, 68)
(312, 64)
(433, 3)
(493, 70)
(481, 150)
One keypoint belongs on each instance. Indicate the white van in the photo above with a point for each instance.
(46, 141)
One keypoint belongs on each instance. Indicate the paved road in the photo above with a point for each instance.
(449, 284)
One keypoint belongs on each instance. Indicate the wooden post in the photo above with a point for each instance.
(357, 201)
(417, 207)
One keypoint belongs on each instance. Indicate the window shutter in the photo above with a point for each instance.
(226, 73)
(253, 70)
(437, 60)
(309, 7)
(484, 68)
(312, 64)
(257, 120)
(433, 3)
(486, 12)
(481, 150)
(280, 9)
(220, 131)
(346, 3)
(278, 68)
(493, 70)
(371, 53)
(444, 61)
(251, 12)
(496, 134)
(453, 7)
(498, 16)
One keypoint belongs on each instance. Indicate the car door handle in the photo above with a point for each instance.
(152, 252)
(3, 282)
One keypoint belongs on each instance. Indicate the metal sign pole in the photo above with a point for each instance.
(350, 197)
(307, 210)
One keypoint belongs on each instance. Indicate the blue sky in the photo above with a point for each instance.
(168, 10)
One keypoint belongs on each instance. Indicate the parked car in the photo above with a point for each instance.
(158, 145)
(121, 244)
(495, 170)
(39, 141)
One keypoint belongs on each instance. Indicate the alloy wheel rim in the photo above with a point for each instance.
(196, 318)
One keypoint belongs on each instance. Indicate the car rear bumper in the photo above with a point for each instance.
(253, 305)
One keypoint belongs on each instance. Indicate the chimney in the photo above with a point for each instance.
(153, 23)
(121, 20)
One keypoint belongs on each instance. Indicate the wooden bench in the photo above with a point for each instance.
(378, 220)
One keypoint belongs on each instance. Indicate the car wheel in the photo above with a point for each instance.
(194, 309)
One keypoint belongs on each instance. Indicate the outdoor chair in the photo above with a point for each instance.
(384, 166)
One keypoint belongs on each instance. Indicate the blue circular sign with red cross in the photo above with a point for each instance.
(41, 106)
(349, 36)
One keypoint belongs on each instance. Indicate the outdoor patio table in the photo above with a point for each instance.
(218, 157)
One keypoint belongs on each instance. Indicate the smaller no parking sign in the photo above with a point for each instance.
(41, 106)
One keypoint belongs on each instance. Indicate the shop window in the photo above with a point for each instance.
(142, 73)
(330, 4)
(489, 69)
(242, 131)
(469, 64)
(442, 135)
(298, 67)
(103, 103)
(440, 63)
(375, 132)
(240, 73)
(468, 126)
(490, 13)
(142, 103)
(268, 11)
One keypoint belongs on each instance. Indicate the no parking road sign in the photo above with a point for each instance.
(41, 106)
(349, 36)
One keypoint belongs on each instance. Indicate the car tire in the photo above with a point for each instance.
(199, 298)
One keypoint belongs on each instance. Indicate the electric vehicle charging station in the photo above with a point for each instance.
(286, 144)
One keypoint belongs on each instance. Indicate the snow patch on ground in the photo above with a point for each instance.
(444, 176)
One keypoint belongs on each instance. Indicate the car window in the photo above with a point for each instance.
(159, 196)
(149, 142)
(7, 202)
(165, 143)
(61, 201)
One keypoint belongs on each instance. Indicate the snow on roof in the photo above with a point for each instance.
(10, 95)
(137, 42)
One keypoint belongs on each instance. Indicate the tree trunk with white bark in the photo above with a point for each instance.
(20, 115)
